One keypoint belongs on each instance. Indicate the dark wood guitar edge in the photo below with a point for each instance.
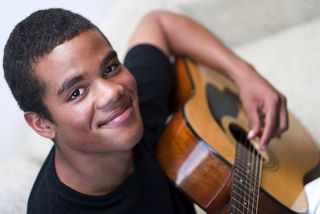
(174, 151)
(222, 198)
(188, 73)
(184, 87)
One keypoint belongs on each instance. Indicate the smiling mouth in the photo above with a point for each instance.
(119, 115)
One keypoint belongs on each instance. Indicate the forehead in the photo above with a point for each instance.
(83, 52)
(82, 45)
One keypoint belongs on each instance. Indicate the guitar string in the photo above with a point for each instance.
(253, 168)
(235, 196)
(258, 176)
(239, 179)
(242, 177)
(245, 160)
(254, 163)
(246, 164)
(250, 171)
(260, 164)
(253, 175)
(257, 164)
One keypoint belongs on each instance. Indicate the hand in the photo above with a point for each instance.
(265, 107)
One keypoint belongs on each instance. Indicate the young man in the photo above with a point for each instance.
(67, 79)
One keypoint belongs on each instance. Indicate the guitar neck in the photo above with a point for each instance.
(246, 179)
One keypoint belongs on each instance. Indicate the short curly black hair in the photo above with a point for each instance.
(32, 38)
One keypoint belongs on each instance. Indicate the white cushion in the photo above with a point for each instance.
(235, 22)
(240, 21)
(290, 61)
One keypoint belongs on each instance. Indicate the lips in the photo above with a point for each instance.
(118, 115)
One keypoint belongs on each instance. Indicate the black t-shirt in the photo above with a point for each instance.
(146, 190)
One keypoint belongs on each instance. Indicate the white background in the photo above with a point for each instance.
(12, 126)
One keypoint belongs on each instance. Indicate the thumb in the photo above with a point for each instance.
(255, 124)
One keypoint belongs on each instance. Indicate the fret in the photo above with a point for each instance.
(242, 204)
(246, 179)
(240, 178)
(245, 201)
(235, 209)
(244, 174)
(247, 198)
(243, 190)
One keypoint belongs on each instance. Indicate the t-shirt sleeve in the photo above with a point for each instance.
(153, 72)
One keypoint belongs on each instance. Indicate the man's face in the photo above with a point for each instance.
(92, 98)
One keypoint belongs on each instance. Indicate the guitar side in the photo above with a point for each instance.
(197, 152)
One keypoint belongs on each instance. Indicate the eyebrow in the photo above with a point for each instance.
(69, 83)
(74, 80)
(110, 56)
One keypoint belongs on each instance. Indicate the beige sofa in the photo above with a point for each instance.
(279, 37)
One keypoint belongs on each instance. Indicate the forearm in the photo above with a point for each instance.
(178, 35)
(188, 38)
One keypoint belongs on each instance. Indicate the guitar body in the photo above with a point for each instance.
(198, 146)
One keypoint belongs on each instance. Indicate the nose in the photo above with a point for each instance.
(107, 93)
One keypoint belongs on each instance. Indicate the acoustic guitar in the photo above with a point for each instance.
(204, 150)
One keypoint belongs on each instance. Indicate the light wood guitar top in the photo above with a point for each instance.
(287, 159)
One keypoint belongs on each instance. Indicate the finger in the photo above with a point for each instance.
(271, 124)
(255, 123)
(283, 117)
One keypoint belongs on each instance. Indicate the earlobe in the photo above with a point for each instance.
(40, 125)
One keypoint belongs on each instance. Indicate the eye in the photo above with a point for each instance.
(110, 69)
(76, 93)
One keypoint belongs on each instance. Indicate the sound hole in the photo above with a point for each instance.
(239, 134)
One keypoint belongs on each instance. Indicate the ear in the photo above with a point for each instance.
(40, 125)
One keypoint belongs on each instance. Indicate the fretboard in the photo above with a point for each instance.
(246, 180)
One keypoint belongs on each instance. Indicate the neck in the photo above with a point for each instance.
(93, 173)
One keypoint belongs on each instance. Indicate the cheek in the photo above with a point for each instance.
(130, 83)
(78, 116)
(82, 114)
(81, 118)
(73, 126)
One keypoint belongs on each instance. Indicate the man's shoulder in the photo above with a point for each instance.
(42, 195)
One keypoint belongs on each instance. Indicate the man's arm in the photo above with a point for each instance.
(179, 35)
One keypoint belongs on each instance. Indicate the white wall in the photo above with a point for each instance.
(12, 126)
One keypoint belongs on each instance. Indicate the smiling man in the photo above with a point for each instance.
(67, 79)
(94, 104)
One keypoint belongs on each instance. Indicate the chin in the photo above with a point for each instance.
(136, 137)
(132, 137)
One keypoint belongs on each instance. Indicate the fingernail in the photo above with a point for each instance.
(262, 147)
(250, 134)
